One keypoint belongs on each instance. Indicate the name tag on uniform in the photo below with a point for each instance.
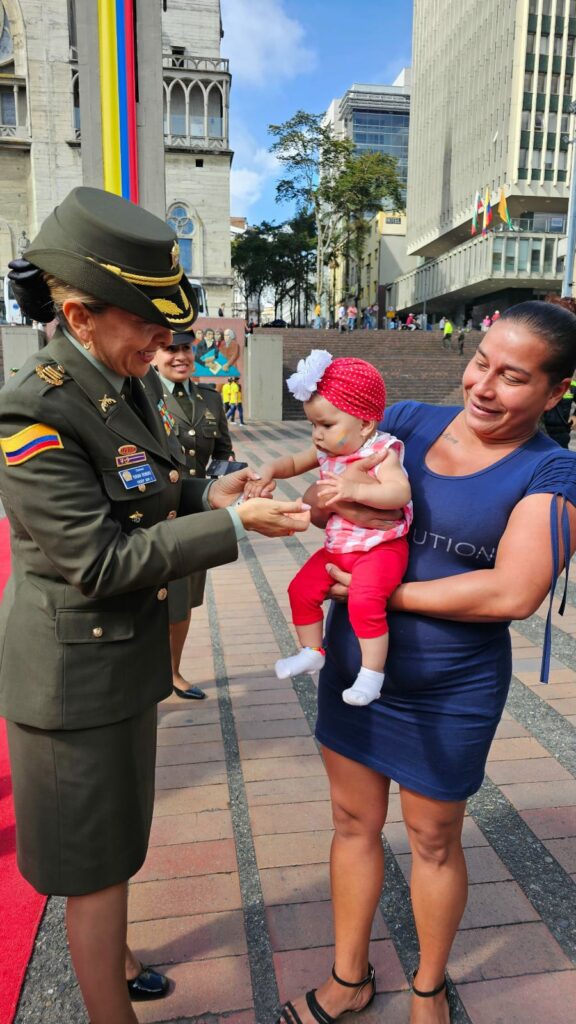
(137, 476)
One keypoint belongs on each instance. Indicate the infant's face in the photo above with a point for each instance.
(334, 431)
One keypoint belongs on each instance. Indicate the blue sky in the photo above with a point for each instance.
(291, 54)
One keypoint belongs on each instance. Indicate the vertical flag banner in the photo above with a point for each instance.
(116, 33)
(487, 220)
(503, 210)
(477, 204)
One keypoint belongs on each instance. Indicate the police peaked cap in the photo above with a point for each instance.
(119, 253)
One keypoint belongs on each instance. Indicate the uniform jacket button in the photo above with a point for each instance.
(191, 451)
(172, 514)
(97, 632)
(192, 472)
(174, 476)
(192, 433)
(162, 594)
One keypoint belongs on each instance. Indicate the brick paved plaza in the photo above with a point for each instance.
(233, 898)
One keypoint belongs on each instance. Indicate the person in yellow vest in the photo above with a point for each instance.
(226, 394)
(235, 401)
(448, 329)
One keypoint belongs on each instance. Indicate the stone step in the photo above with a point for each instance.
(414, 364)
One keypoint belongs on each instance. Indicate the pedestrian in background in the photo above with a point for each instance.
(235, 401)
(341, 317)
(448, 331)
(352, 315)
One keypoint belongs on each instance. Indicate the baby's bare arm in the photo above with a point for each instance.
(390, 490)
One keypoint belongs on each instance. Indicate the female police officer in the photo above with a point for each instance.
(91, 479)
(202, 429)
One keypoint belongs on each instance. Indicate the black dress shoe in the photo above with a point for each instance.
(192, 693)
(148, 985)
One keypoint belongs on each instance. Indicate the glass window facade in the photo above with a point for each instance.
(373, 131)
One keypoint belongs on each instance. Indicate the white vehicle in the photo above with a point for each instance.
(200, 293)
(13, 313)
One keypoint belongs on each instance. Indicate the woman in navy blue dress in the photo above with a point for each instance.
(494, 506)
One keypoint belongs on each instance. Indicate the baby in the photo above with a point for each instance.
(344, 400)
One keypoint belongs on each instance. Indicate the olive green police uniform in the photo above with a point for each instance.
(98, 500)
(202, 430)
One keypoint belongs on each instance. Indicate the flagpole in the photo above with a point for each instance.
(567, 281)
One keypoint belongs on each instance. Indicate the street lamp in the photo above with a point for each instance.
(571, 235)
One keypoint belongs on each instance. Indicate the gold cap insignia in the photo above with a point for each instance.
(51, 373)
(175, 255)
(106, 402)
(136, 517)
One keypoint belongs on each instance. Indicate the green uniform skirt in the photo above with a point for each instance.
(185, 594)
(83, 801)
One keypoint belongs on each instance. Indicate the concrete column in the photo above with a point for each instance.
(149, 110)
(262, 391)
(17, 344)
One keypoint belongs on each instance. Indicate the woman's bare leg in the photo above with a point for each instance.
(178, 634)
(359, 804)
(97, 925)
(439, 888)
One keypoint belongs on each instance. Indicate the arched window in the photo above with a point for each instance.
(196, 107)
(6, 44)
(215, 113)
(180, 220)
(177, 110)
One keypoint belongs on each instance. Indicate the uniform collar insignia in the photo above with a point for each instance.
(105, 403)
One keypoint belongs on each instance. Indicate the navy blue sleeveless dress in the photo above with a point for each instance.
(446, 682)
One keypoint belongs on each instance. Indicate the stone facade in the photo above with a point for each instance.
(40, 128)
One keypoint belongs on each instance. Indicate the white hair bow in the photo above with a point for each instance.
(302, 384)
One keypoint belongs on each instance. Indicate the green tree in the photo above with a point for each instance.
(366, 183)
(312, 158)
(251, 260)
(336, 186)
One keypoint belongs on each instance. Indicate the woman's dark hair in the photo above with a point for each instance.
(555, 325)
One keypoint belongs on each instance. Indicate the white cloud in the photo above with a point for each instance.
(263, 43)
(253, 168)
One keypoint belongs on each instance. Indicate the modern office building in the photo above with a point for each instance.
(376, 118)
(491, 88)
(41, 124)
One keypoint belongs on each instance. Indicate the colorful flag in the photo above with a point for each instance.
(477, 202)
(503, 210)
(487, 213)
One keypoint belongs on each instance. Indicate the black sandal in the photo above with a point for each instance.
(288, 1015)
(433, 992)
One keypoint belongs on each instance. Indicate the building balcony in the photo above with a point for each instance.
(481, 266)
(14, 127)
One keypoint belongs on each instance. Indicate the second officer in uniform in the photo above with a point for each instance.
(202, 430)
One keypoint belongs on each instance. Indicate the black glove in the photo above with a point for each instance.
(31, 292)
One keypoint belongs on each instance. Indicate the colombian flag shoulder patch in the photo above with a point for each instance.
(29, 442)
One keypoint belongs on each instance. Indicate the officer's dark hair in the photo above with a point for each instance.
(556, 327)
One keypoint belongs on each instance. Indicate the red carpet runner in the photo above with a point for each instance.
(21, 907)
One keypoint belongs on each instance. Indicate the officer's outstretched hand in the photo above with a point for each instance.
(274, 518)
(228, 488)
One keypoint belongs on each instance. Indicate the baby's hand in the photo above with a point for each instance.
(262, 487)
(335, 487)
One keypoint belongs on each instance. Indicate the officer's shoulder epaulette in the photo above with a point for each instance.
(207, 387)
(39, 377)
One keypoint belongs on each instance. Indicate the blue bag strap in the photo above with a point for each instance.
(554, 537)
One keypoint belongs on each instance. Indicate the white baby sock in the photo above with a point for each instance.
(365, 689)
(307, 660)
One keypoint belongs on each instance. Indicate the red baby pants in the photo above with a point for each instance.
(375, 575)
